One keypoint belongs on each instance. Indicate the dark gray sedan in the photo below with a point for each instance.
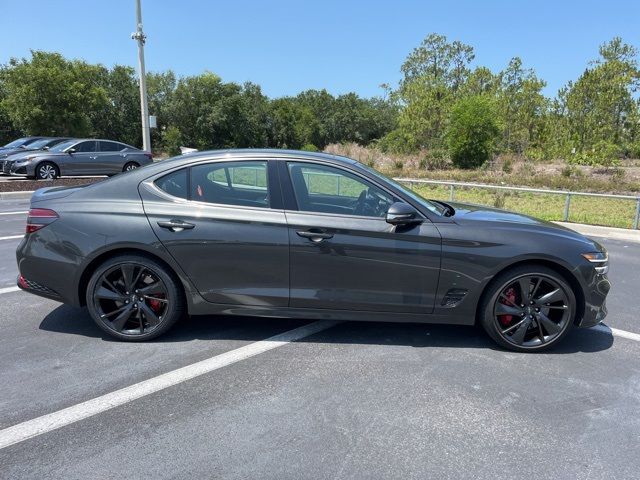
(78, 157)
(293, 234)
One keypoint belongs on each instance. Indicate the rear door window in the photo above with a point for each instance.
(231, 183)
(110, 146)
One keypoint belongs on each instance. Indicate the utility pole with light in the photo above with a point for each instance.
(144, 108)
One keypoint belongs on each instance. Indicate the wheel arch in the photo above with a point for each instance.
(88, 270)
(565, 272)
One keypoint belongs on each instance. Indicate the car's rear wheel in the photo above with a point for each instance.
(134, 298)
(130, 166)
(528, 308)
(47, 171)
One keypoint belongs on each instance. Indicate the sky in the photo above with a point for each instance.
(288, 46)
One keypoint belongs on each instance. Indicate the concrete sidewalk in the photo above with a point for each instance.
(605, 232)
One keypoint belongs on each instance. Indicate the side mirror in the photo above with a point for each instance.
(71, 150)
(401, 213)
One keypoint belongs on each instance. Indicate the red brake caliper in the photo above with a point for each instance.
(510, 295)
(155, 305)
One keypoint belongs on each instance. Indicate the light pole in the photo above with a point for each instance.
(144, 108)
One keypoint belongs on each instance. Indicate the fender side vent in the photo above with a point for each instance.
(453, 297)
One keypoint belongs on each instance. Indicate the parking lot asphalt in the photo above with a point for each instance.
(357, 400)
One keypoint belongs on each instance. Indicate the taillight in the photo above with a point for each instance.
(149, 156)
(39, 218)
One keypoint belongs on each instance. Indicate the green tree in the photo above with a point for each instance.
(472, 131)
(600, 106)
(521, 106)
(433, 78)
(49, 95)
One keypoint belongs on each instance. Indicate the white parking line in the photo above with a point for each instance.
(14, 213)
(617, 332)
(8, 290)
(11, 237)
(46, 423)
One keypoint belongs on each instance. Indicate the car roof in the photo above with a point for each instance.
(102, 140)
(266, 152)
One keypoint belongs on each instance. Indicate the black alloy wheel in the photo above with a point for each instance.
(529, 309)
(134, 298)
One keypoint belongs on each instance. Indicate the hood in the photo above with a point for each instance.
(471, 214)
(5, 152)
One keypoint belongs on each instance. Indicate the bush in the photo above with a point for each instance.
(172, 140)
(603, 153)
(472, 131)
(309, 147)
(399, 142)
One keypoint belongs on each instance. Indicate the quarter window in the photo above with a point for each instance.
(175, 183)
(231, 183)
(325, 189)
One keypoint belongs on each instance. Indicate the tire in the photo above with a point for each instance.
(111, 297)
(531, 322)
(130, 166)
(47, 171)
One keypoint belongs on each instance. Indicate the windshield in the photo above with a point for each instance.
(61, 146)
(432, 206)
(16, 143)
(38, 144)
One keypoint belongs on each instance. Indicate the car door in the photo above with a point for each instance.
(82, 160)
(224, 224)
(343, 254)
(109, 158)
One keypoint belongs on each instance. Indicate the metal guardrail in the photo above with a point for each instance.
(568, 194)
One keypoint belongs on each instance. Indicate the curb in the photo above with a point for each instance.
(612, 233)
(16, 195)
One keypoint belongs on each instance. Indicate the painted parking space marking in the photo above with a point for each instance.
(616, 332)
(15, 213)
(8, 290)
(11, 237)
(52, 421)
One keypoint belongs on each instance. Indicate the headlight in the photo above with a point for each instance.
(600, 261)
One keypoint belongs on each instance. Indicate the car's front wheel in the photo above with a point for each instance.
(528, 308)
(134, 298)
(47, 171)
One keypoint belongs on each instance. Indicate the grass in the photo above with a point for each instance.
(588, 210)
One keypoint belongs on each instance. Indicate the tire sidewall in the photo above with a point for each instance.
(501, 282)
(174, 295)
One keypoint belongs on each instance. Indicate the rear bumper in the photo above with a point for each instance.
(37, 289)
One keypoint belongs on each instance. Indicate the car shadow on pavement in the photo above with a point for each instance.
(76, 321)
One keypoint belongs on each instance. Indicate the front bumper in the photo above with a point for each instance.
(595, 309)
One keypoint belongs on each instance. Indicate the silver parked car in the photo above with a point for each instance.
(79, 157)
(25, 150)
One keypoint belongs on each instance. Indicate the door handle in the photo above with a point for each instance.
(315, 236)
(176, 225)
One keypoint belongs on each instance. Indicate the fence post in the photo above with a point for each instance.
(637, 218)
(567, 204)
(451, 192)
